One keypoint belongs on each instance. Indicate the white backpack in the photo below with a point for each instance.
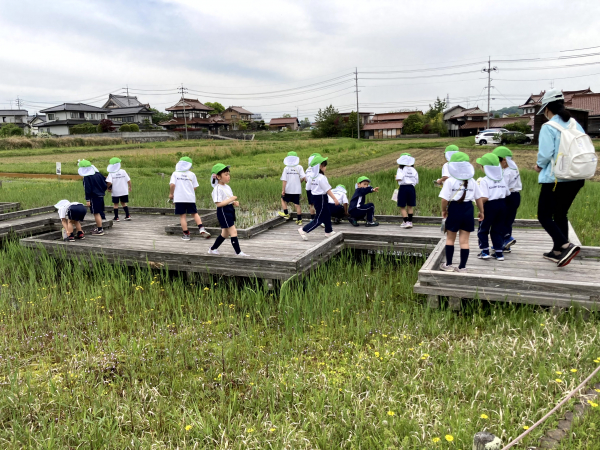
(576, 159)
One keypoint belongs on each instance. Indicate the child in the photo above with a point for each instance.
(338, 212)
(358, 208)
(225, 201)
(320, 189)
(407, 178)
(119, 184)
(450, 150)
(94, 185)
(292, 178)
(182, 191)
(458, 193)
(309, 175)
(71, 214)
(493, 192)
(513, 201)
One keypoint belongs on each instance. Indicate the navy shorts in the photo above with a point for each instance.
(407, 196)
(291, 198)
(76, 212)
(122, 198)
(226, 216)
(185, 208)
(337, 211)
(97, 206)
(309, 197)
(460, 217)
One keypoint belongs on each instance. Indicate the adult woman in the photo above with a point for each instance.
(556, 195)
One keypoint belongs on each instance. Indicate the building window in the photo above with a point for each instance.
(102, 116)
(234, 116)
(50, 116)
(93, 116)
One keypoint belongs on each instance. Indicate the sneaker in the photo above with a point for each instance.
(323, 225)
(447, 268)
(128, 218)
(484, 255)
(506, 250)
(186, 237)
(551, 256)
(409, 225)
(567, 254)
(241, 254)
(337, 221)
(69, 239)
(284, 215)
(330, 234)
(405, 225)
(96, 232)
(204, 234)
(499, 257)
(463, 270)
(299, 222)
(353, 222)
(116, 219)
(80, 235)
(213, 252)
(303, 234)
(510, 241)
(372, 224)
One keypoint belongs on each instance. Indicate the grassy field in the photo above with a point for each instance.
(110, 357)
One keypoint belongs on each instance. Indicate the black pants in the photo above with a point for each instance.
(492, 225)
(553, 207)
(367, 210)
(323, 215)
(513, 201)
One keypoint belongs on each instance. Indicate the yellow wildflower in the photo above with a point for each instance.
(525, 427)
(558, 380)
(573, 370)
(436, 440)
(391, 413)
(188, 427)
(449, 438)
(484, 416)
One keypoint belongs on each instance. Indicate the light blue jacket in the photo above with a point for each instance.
(549, 141)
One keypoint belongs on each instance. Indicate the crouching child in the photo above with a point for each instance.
(359, 209)
(71, 214)
(339, 211)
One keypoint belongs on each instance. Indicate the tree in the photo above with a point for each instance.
(438, 107)
(287, 116)
(437, 125)
(242, 126)
(328, 121)
(158, 116)
(105, 126)
(349, 129)
(413, 124)
(10, 129)
(216, 106)
(520, 125)
(304, 123)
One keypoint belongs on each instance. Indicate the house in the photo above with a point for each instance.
(364, 117)
(469, 121)
(190, 112)
(235, 114)
(393, 116)
(529, 107)
(127, 109)
(123, 101)
(60, 118)
(291, 123)
(34, 121)
(386, 125)
(17, 117)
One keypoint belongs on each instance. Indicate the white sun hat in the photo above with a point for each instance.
(62, 203)
(405, 160)
(460, 167)
(292, 159)
(114, 165)
(550, 96)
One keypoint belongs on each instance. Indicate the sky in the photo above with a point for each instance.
(294, 57)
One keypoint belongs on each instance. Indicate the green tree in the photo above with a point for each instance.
(520, 125)
(242, 126)
(349, 128)
(287, 116)
(438, 107)
(217, 108)
(304, 123)
(413, 124)
(437, 125)
(158, 116)
(10, 129)
(328, 121)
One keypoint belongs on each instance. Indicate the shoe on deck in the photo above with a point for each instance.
(299, 222)
(510, 241)
(463, 270)
(96, 232)
(186, 237)
(80, 236)
(284, 215)
(409, 224)
(116, 219)
(323, 225)
(484, 255)
(447, 268)
(241, 254)
(204, 234)
(128, 218)
(372, 224)
(330, 234)
(499, 256)
(551, 256)
(69, 239)
(353, 222)
(303, 234)
(405, 225)
(337, 221)
(213, 252)
(567, 255)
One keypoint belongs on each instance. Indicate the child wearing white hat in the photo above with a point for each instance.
(407, 178)
(340, 211)
(448, 152)
(292, 177)
(311, 172)
(94, 185)
(71, 214)
(119, 184)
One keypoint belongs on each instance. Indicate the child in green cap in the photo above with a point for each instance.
(119, 185)
(311, 172)
(292, 177)
(493, 192)
(182, 187)
(448, 152)
(511, 174)
(359, 209)
(223, 197)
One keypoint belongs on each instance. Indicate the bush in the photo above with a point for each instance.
(10, 129)
(413, 124)
(514, 139)
(124, 128)
(83, 128)
(520, 125)
(105, 126)
(134, 127)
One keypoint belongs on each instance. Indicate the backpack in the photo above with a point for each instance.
(576, 159)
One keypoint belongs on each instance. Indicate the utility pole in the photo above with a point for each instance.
(128, 104)
(447, 100)
(489, 71)
(19, 102)
(183, 91)
(357, 111)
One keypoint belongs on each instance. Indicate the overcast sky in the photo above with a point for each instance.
(60, 50)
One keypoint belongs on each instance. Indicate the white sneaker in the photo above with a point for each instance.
(404, 225)
(303, 234)
(213, 252)
(330, 234)
(409, 225)
(241, 254)
(447, 268)
(204, 234)
(323, 225)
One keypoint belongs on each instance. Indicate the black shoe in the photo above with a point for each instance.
(80, 235)
(551, 256)
(116, 219)
(337, 221)
(372, 224)
(567, 255)
(353, 222)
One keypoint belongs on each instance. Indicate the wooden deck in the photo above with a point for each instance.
(6, 206)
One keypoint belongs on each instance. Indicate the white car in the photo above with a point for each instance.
(487, 136)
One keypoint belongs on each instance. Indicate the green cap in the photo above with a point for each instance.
(451, 148)
(317, 160)
(341, 186)
(114, 160)
(459, 157)
(314, 154)
(84, 163)
(502, 152)
(218, 168)
(361, 179)
(292, 154)
(405, 154)
(489, 159)
(186, 159)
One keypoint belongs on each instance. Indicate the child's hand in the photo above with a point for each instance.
(236, 203)
(336, 202)
(234, 198)
(87, 203)
(170, 196)
(376, 189)
(480, 217)
(445, 214)
(282, 193)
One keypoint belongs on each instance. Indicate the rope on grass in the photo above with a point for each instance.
(552, 411)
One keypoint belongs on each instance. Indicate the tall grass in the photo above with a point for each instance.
(20, 142)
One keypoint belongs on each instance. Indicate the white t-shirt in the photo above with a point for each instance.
(407, 176)
(493, 190)
(453, 190)
(185, 183)
(513, 179)
(340, 196)
(119, 181)
(293, 175)
(310, 171)
(62, 211)
(319, 185)
(221, 192)
(445, 171)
